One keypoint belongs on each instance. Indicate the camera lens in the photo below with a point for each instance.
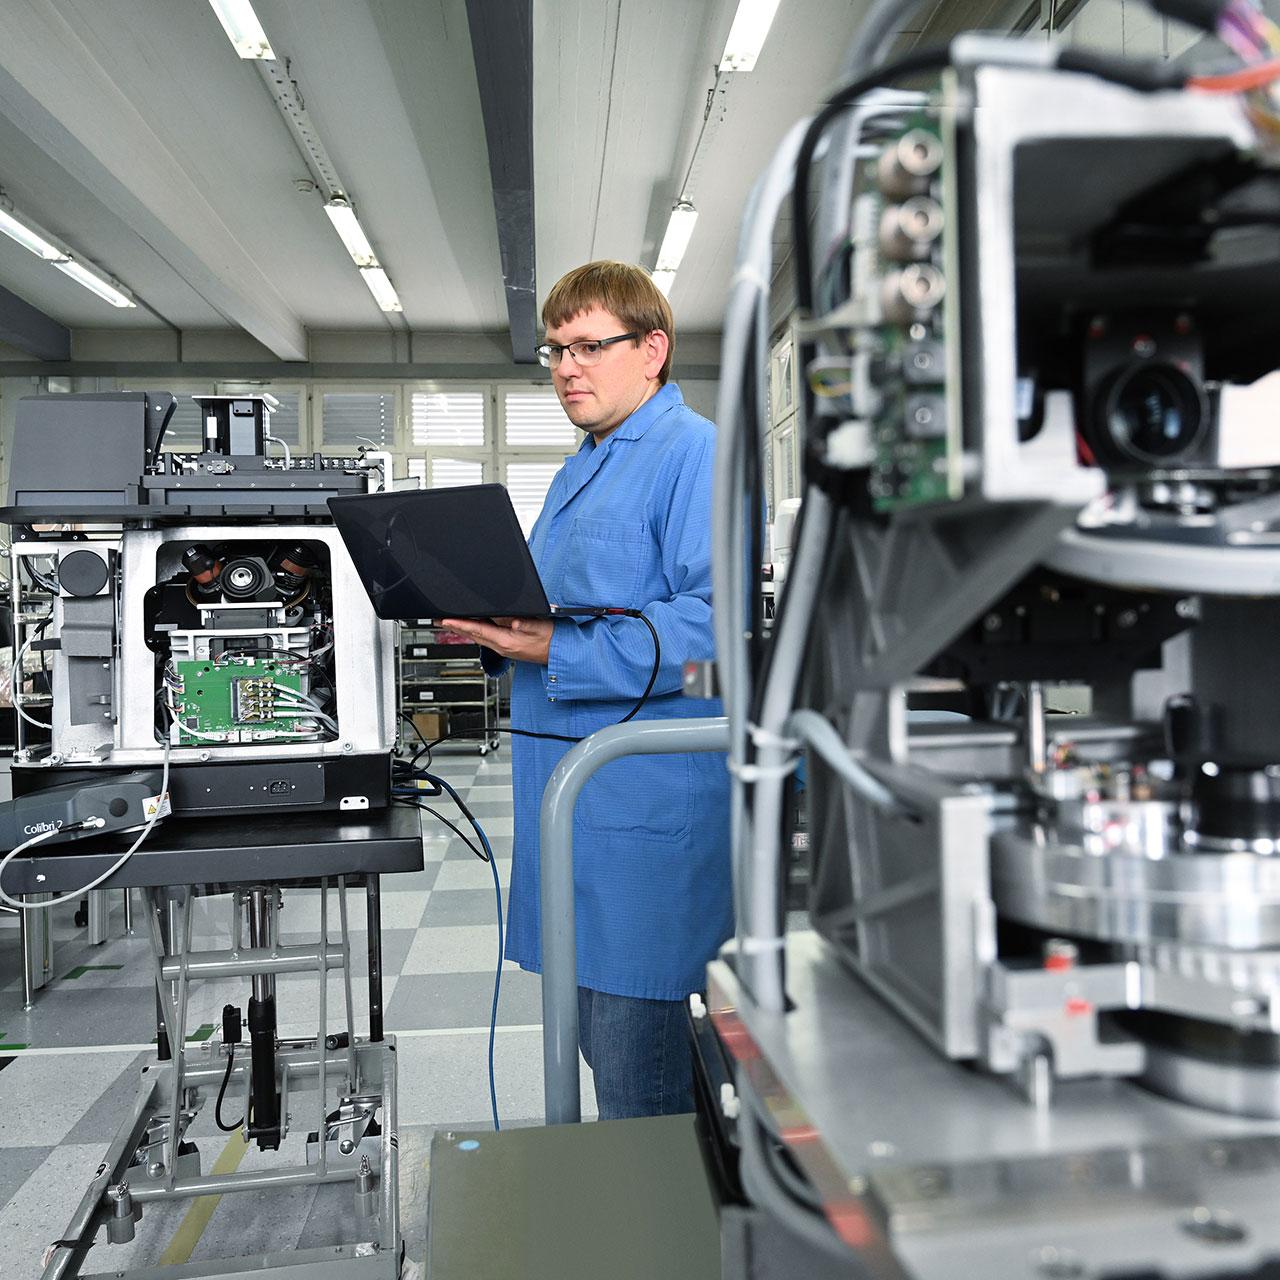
(1152, 412)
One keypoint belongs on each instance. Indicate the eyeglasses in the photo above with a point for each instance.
(585, 353)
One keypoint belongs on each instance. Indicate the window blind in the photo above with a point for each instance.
(448, 418)
(352, 418)
(534, 419)
(528, 482)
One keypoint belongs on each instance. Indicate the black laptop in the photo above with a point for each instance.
(442, 553)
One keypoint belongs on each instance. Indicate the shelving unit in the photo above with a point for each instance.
(438, 676)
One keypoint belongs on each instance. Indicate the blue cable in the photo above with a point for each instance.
(497, 973)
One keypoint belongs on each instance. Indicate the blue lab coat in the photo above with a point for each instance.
(627, 523)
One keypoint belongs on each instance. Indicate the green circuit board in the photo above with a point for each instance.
(916, 458)
(236, 697)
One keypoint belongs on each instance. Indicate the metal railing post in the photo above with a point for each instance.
(559, 939)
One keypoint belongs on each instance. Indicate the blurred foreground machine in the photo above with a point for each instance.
(1037, 1029)
(195, 654)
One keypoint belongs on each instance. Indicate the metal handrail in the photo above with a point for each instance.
(559, 935)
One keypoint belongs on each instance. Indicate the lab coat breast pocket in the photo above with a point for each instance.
(603, 562)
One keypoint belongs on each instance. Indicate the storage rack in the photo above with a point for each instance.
(438, 676)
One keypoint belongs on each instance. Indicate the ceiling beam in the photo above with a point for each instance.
(30, 330)
(502, 46)
(79, 113)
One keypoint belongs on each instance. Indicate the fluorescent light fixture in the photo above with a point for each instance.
(664, 280)
(679, 230)
(94, 283)
(29, 239)
(243, 28)
(351, 233)
(747, 35)
(382, 289)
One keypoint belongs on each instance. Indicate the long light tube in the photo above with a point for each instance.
(664, 280)
(29, 239)
(379, 284)
(351, 233)
(679, 231)
(747, 35)
(243, 28)
(94, 283)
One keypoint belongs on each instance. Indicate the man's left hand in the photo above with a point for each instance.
(523, 639)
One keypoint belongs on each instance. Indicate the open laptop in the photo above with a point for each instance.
(443, 553)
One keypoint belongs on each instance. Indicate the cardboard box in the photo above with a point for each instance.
(431, 724)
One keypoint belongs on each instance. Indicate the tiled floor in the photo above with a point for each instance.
(63, 1096)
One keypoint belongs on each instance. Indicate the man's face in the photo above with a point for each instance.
(600, 398)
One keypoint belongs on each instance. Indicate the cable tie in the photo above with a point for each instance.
(761, 772)
(750, 274)
(766, 740)
(761, 946)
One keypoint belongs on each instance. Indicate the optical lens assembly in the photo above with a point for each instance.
(1152, 413)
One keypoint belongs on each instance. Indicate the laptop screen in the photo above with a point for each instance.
(441, 553)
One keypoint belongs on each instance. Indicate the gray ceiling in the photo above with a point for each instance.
(130, 129)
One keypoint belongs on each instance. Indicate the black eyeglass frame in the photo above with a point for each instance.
(544, 351)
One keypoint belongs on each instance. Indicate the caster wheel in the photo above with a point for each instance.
(82, 917)
(484, 751)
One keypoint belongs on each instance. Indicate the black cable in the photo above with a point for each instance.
(422, 737)
(463, 734)
(426, 808)
(657, 661)
(217, 1109)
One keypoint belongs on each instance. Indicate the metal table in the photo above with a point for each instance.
(227, 851)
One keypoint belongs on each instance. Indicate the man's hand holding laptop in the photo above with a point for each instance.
(521, 639)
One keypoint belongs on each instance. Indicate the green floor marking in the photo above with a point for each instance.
(81, 969)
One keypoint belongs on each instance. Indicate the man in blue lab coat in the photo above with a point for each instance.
(626, 524)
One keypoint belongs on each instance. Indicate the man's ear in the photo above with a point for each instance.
(656, 345)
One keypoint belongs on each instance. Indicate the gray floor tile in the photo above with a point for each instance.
(41, 1208)
(17, 1164)
(71, 1015)
(483, 791)
(57, 1092)
(461, 948)
(463, 1000)
(459, 906)
(104, 1117)
(413, 881)
(444, 1080)
(490, 809)
(472, 874)
(500, 844)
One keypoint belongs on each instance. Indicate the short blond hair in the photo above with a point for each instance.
(626, 290)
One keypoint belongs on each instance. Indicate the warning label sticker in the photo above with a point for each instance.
(157, 806)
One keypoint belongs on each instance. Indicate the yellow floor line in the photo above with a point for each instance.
(193, 1225)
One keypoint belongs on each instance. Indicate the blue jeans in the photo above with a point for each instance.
(638, 1051)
